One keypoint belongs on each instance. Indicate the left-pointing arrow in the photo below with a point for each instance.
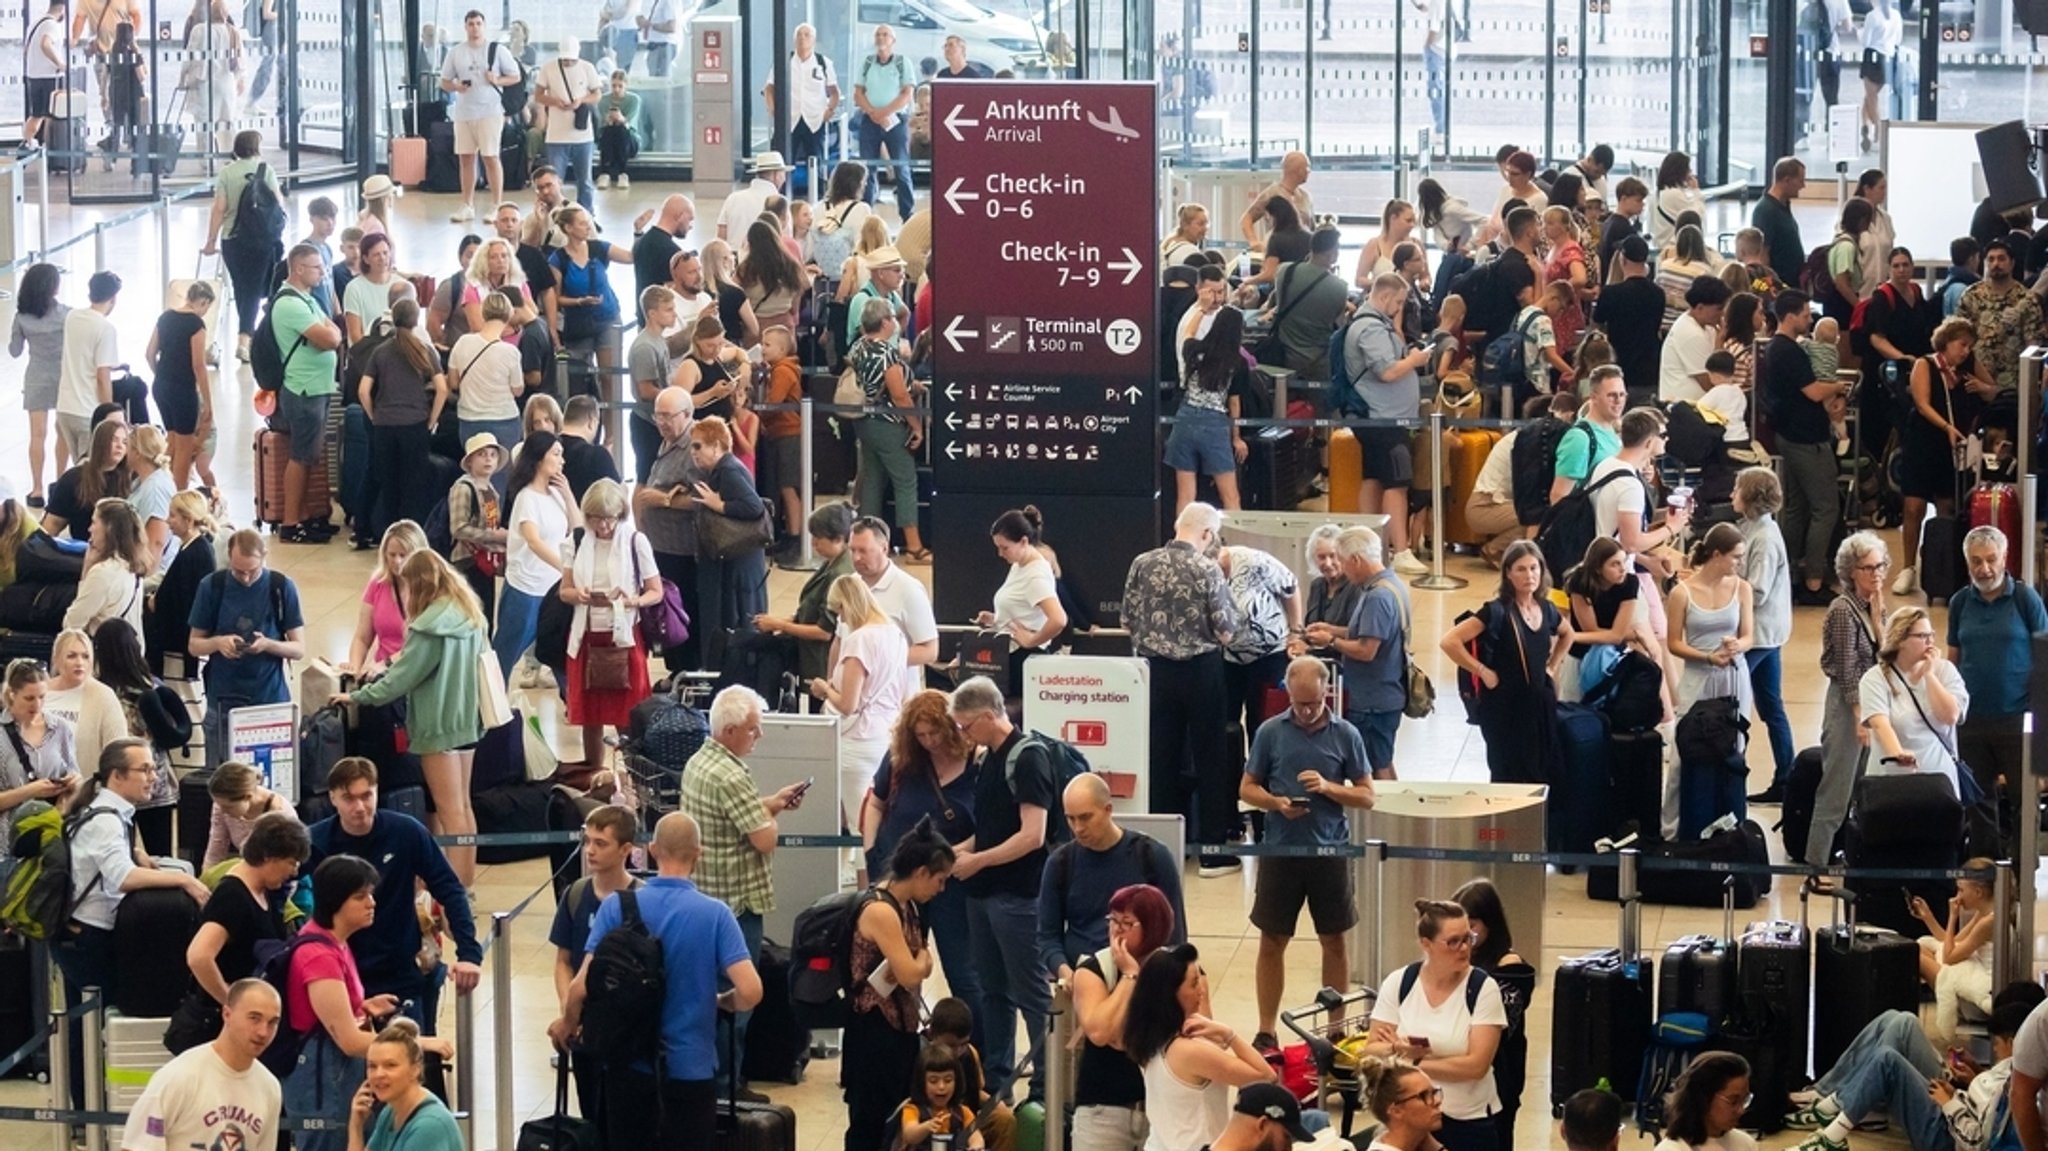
(953, 450)
(954, 195)
(955, 333)
(955, 122)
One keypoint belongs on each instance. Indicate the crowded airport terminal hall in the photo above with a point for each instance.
(1431, 576)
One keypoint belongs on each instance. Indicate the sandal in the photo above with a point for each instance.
(917, 556)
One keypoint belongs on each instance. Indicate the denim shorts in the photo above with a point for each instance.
(1377, 729)
(304, 418)
(1200, 443)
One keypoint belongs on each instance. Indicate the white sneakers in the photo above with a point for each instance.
(464, 216)
(623, 182)
(1406, 563)
(1907, 583)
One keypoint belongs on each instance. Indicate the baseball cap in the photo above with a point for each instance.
(1635, 250)
(1274, 1102)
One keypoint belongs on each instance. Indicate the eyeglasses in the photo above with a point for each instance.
(1429, 1095)
(1926, 635)
(1741, 1101)
(1469, 939)
(1123, 921)
(1881, 565)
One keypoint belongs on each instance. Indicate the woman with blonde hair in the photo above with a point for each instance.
(1190, 231)
(183, 384)
(1376, 258)
(853, 276)
(407, 1115)
(116, 563)
(167, 612)
(436, 674)
(713, 369)
(608, 577)
(1913, 700)
(150, 492)
(583, 307)
(735, 311)
(494, 267)
(866, 686)
(733, 588)
(380, 620)
(239, 800)
(1406, 1101)
(75, 696)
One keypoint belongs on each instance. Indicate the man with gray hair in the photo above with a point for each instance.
(1001, 869)
(814, 99)
(1178, 609)
(1374, 646)
(735, 822)
(1080, 876)
(1990, 628)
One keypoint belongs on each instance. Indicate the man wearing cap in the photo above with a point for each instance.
(567, 93)
(1266, 1117)
(746, 204)
(882, 90)
(885, 282)
(1631, 312)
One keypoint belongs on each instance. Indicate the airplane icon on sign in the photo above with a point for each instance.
(1115, 125)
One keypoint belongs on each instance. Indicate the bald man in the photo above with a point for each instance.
(216, 1094)
(702, 947)
(1081, 875)
(656, 244)
(1293, 184)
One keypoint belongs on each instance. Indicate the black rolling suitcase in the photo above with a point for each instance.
(1795, 816)
(1673, 888)
(778, 1047)
(1601, 1023)
(510, 808)
(159, 145)
(1906, 821)
(1699, 972)
(444, 172)
(1635, 762)
(152, 923)
(1863, 972)
(195, 816)
(1578, 811)
(1769, 1027)
(746, 1126)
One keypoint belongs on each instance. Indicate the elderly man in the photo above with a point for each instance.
(746, 204)
(1990, 628)
(1374, 647)
(1292, 184)
(814, 98)
(885, 270)
(882, 90)
(216, 1094)
(1306, 767)
(1178, 608)
(710, 972)
(736, 822)
(1081, 875)
(662, 507)
(1001, 867)
(659, 242)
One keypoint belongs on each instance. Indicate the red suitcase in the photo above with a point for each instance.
(1998, 506)
(272, 450)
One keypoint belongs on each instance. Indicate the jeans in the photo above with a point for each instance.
(1888, 1068)
(1990, 744)
(639, 1114)
(87, 960)
(885, 457)
(872, 138)
(945, 917)
(518, 618)
(1004, 934)
(806, 144)
(1813, 501)
(1841, 766)
(1898, 1032)
(660, 58)
(615, 149)
(1098, 1128)
(320, 1086)
(1437, 80)
(646, 441)
(1766, 675)
(572, 163)
(624, 43)
(1187, 746)
(251, 264)
(750, 930)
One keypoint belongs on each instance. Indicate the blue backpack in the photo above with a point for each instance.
(1343, 398)
(1505, 362)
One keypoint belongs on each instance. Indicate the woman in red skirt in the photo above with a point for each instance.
(608, 575)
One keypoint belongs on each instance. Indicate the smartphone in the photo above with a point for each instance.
(1298, 801)
(1421, 1041)
(1908, 893)
(804, 787)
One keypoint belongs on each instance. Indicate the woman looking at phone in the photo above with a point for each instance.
(1446, 1017)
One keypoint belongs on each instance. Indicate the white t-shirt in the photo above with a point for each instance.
(1670, 204)
(1497, 474)
(905, 601)
(1536, 200)
(618, 15)
(1621, 498)
(811, 82)
(367, 300)
(659, 12)
(490, 371)
(1448, 1027)
(524, 568)
(743, 207)
(1733, 405)
(1024, 588)
(1882, 32)
(1686, 350)
(480, 100)
(1735, 1140)
(1883, 691)
(568, 80)
(90, 343)
(197, 1100)
(883, 653)
(36, 64)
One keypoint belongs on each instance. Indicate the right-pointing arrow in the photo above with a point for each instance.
(954, 333)
(1130, 265)
(954, 195)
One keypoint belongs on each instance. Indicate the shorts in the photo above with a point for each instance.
(1875, 68)
(304, 419)
(178, 406)
(781, 465)
(1286, 882)
(1388, 456)
(40, 89)
(479, 137)
(75, 433)
(1377, 729)
(1200, 443)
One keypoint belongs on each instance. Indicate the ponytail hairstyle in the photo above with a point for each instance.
(921, 847)
(113, 759)
(1720, 539)
(419, 355)
(1025, 525)
(1382, 1079)
(196, 509)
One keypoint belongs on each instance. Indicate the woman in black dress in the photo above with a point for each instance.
(183, 390)
(1521, 639)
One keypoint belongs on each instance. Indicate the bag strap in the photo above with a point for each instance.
(20, 751)
(1280, 294)
(1946, 746)
(1409, 975)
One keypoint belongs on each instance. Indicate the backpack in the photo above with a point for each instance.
(1532, 461)
(832, 241)
(1469, 685)
(1067, 765)
(1631, 695)
(259, 212)
(440, 528)
(1505, 361)
(267, 361)
(1568, 528)
(1482, 303)
(821, 956)
(512, 98)
(628, 985)
(1474, 980)
(1343, 398)
(1693, 434)
(274, 966)
(1860, 322)
(39, 903)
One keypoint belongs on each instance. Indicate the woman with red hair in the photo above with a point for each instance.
(1109, 1092)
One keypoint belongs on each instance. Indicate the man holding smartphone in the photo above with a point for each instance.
(1307, 765)
(472, 73)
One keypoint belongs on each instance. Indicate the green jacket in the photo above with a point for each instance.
(436, 673)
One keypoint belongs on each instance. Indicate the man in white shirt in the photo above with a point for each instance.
(1682, 370)
(746, 204)
(473, 72)
(216, 1095)
(43, 64)
(686, 280)
(899, 594)
(618, 29)
(658, 32)
(91, 350)
(567, 91)
(1621, 508)
(814, 98)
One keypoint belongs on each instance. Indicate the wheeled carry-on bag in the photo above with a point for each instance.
(1769, 1028)
(1862, 972)
(1600, 1015)
(1698, 973)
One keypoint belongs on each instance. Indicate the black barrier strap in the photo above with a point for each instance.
(1646, 862)
(120, 1118)
(35, 1043)
(551, 838)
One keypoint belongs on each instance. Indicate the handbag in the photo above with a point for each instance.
(197, 1020)
(848, 393)
(724, 537)
(582, 111)
(664, 625)
(560, 1131)
(606, 667)
(493, 705)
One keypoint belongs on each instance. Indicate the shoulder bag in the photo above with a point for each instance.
(664, 625)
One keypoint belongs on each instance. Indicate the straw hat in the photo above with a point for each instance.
(380, 186)
(479, 442)
(767, 162)
(885, 256)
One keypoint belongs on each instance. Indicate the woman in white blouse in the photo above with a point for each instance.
(1027, 606)
(866, 687)
(1913, 699)
(542, 517)
(1458, 225)
(1446, 1017)
(116, 564)
(484, 372)
(1678, 191)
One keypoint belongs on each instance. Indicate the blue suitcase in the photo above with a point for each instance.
(1579, 810)
(355, 466)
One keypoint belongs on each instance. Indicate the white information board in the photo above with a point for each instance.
(267, 739)
(1933, 180)
(1101, 704)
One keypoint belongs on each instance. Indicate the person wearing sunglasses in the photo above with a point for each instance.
(1446, 1017)
(1408, 1104)
(1706, 1104)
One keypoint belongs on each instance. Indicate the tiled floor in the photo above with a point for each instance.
(330, 578)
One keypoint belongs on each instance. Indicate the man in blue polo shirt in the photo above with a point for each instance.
(246, 621)
(1306, 767)
(700, 941)
(1374, 646)
(1990, 627)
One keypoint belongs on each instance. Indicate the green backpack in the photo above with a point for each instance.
(38, 902)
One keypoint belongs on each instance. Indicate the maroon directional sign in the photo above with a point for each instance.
(1044, 209)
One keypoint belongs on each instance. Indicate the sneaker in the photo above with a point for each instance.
(1811, 596)
(1819, 1141)
(1212, 866)
(1406, 564)
(1907, 583)
(1813, 1116)
(294, 534)
(242, 348)
(623, 182)
(1264, 1041)
(1802, 1098)
(604, 183)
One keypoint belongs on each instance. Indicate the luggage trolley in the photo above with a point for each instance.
(1333, 1031)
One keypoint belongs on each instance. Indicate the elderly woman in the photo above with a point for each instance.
(1850, 640)
(494, 267)
(1331, 597)
(732, 563)
(1268, 600)
(893, 431)
(608, 577)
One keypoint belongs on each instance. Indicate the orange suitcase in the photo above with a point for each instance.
(272, 449)
(1465, 452)
(1347, 470)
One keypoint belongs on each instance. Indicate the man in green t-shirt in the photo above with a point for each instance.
(882, 90)
(310, 344)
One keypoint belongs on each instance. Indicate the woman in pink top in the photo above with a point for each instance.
(494, 267)
(380, 621)
(239, 800)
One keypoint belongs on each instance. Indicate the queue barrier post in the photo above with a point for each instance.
(1436, 580)
(1631, 905)
(807, 493)
(465, 1068)
(60, 1065)
(2001, 925)
(1376, 854)
(501, 1024)
(162, 210)
(42, 164)
(1058, 1062)
(95, 1068)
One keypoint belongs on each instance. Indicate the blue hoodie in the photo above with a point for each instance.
(403, 851)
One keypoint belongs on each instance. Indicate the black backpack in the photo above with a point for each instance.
(1067, 763)
(821, 957)
(1632, 695)
(274, 966)
(1533, 464)
(1568, 528)
(512, 97)
(1693, 435)
(627, 986)
(260, 213)
(267, 361)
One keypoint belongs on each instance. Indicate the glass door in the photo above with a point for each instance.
(1988, 64)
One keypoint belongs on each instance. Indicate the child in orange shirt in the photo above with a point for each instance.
(782, 432)
(934, 1106)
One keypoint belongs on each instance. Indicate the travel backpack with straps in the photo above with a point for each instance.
(39, 903)
(628, 987)
(1571, 524)
(1343, 398)
(821, 957)
(267, 361)
(1504, 363)
(1067, 764)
